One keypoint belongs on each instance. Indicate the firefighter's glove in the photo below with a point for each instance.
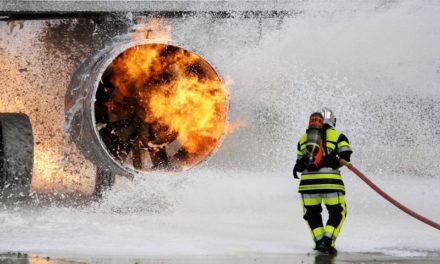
(299, 167)
(295, 175)
(333, 162)
(345, 155)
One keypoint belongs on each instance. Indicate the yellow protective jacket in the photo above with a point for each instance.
(326, 178)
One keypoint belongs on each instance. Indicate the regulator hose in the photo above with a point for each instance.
(387, 197)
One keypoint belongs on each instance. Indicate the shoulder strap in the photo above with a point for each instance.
(324, 142)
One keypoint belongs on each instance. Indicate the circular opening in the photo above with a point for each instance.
(160, 106)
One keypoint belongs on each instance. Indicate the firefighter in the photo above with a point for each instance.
(319, 151)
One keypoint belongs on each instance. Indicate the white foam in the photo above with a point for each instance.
(244, 199)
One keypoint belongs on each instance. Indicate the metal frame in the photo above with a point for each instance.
(52, 9)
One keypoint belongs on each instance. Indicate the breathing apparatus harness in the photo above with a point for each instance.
(315, 140)
(315, 153)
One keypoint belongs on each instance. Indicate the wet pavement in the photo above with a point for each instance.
(309, 258)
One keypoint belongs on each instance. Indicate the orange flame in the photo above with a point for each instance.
(176, 93)
(234, 126)
(194, 110)
(155, 29)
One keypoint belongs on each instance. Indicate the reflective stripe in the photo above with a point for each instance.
(332, 200)
(318, 232)
(345, 148)
(311, 201)
(331, 195)
(329, 232)
(330, 145)
(311, 195)
(322, 195)
(321, 176)
(343, 144)
(317, 238)
(317, 187)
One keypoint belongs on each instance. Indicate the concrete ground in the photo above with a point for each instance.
(312, 258)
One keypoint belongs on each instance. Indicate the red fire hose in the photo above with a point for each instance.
(386, 196)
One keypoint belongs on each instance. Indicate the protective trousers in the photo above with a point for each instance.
(336, 207)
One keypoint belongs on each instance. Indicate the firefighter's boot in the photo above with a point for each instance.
(325, 246)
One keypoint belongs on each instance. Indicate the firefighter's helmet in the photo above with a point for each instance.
(329, 117)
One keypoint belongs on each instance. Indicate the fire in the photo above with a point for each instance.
(164, 101)
(194, 110)
(51, 174)
(234, 126)
(155, 28)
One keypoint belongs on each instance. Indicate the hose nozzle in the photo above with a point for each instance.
(343, 162)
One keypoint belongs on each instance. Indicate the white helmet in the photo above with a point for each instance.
(329, 117)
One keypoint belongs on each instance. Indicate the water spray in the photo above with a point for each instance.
(387, 197)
